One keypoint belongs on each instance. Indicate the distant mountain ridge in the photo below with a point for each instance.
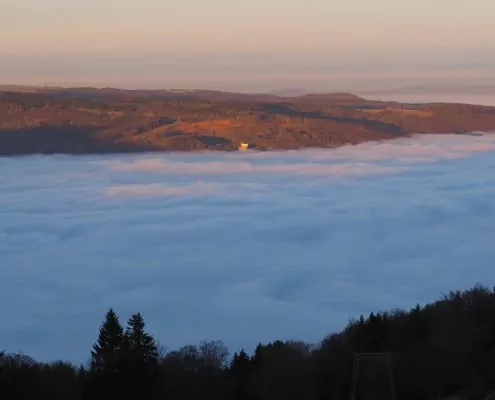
(481, 89)
(88, 120)
(290, 92)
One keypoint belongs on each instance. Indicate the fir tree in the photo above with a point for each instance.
(240, 364)
(241, 371)
(106, 351)
(139, 345)
(106, 361)
(140, 362)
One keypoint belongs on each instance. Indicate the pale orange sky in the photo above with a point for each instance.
(241, 43)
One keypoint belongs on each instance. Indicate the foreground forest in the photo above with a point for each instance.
(88, 120)
(440, 350)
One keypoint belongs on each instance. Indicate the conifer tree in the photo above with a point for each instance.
(140, 362)
(141, 346)
(106, 360)
(106, 351)
(241, 371)
(240, 364)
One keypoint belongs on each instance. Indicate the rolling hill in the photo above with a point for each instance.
(88, 120)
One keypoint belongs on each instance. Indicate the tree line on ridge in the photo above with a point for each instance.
(443, 349)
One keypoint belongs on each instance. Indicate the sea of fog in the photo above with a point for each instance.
(241, 247)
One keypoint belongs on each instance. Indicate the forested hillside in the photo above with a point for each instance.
(442, 349)
(84, 121)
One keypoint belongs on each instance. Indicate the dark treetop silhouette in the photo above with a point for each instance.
(446, 348)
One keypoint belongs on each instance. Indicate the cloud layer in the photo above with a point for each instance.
(243, 247)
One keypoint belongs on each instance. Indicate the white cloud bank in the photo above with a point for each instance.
(347, 160)
(241, 247)
(247, 167)
(156, 189)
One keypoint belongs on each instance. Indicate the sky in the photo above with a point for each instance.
(250, 45)
(239, 247)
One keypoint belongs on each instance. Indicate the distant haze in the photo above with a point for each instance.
(255, 45)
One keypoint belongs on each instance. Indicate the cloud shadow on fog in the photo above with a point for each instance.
(241, 247)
